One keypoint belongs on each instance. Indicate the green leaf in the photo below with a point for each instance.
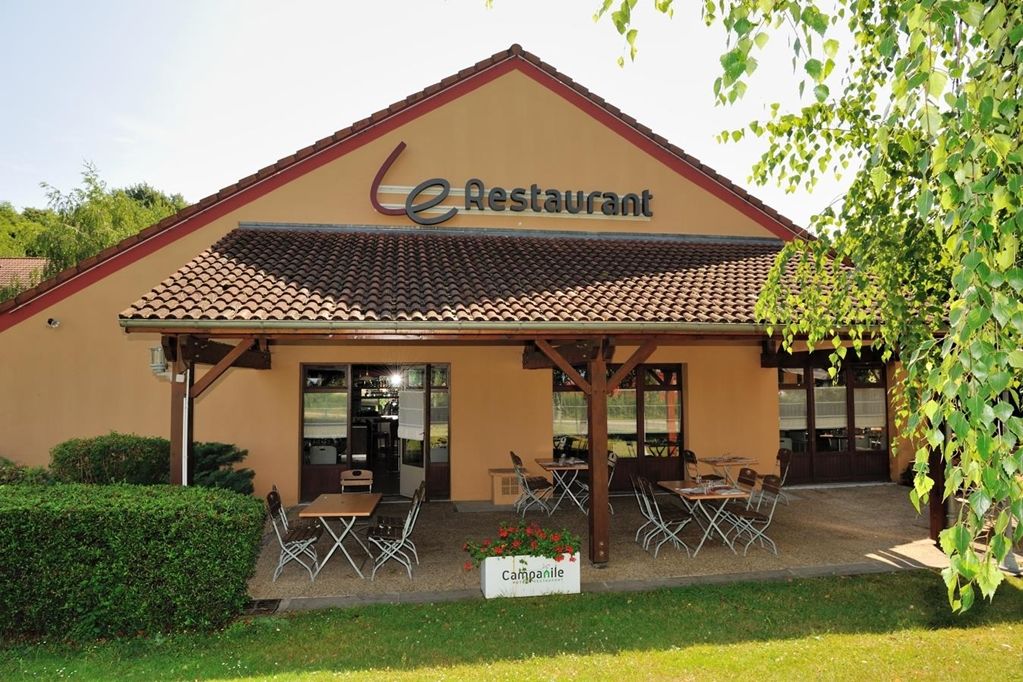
(761, 39)
(814, 68)
(821, 92)
(924, 202)
(831, 47)
(1016, 359)
(936, 81)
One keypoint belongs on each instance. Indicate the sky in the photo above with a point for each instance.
(191, 95)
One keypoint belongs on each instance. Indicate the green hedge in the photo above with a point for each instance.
(145, 460)
(12, 472)
(113, 458)
(85, 561)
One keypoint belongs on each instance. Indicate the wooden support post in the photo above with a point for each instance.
(936, 502)
(600, 515)
(181, 416)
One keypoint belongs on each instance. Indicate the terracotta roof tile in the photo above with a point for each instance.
(20, 269)
(362, 274)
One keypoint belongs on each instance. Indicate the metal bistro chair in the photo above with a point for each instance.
(395, 542)
(357, 478)
(386, 521)
(295, 543)
(755, 523)
(668, 527)
(612, 463)
(784, 463)
(533, 490)
(746, 481)
(692, 468)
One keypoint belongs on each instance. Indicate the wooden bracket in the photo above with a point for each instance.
(563, 365)
(638, 356)
(218, 369)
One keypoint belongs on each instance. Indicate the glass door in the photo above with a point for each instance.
(412, 421)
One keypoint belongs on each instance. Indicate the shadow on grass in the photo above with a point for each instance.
(411, 636)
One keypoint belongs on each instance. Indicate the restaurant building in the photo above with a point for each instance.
(501, 262)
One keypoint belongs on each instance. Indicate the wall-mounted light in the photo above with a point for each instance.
(52, 323)
(157, 360)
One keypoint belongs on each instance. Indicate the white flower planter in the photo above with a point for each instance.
(529, 576)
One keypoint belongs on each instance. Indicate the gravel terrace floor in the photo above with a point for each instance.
(870, 525)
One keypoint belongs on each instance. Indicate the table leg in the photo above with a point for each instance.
(712, 525)
(568, 489)
(346, 528)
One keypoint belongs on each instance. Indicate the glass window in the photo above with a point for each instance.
(869, 376)
(325, 415)
(327, 378)
(660, 396)
(662, 419)
(793, 432)
(439, 426)
(439, 376)
(622, 432)
(871, 419)
(570, 424)
(830, 412)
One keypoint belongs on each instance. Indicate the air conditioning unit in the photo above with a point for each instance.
(504, 487)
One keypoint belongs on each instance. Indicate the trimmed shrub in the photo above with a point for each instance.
(85, 561)
(145, 460)
(213, 467)
(12, 472)
(113, 458)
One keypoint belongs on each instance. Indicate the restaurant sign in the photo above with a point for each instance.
(425, 205)
(529, 576)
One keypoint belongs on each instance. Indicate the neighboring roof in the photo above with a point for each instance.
(20, 269)
(372, 275)
(329, 148)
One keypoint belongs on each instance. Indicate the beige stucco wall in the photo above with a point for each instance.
(87, 377)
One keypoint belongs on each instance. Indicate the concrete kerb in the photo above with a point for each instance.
(297, 604)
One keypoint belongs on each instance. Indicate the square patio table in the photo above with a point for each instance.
(701, 500)
(346, 508)
(565, 473)
(725, 462)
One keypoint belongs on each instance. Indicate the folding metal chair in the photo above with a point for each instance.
(357, 478)
(384, 521)
(668, 527)
(784, 463)
(755, 523)
(692, 468)
(644, 509)
(533, 490)
(612, 463)
(395, 543)
(747, 481)
(297, 542)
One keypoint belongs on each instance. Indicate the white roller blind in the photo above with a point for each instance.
(869, 407)
(411, 415)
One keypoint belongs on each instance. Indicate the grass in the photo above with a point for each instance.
(888, 626)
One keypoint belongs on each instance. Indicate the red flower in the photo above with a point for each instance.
(465, 547)
(468, 565)
(529, 530)
(516, 544)
(486, 543)
(572, 558)
(542, 535)
(555, 537)
(558, 557)
(503, 532)
(534, 544)
(499, 550)
(569, 550)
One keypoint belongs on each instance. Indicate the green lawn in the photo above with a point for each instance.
(879, 626)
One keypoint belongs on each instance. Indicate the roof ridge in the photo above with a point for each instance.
(515, 51)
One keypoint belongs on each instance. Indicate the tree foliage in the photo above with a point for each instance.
(79, 223)
(921, 101)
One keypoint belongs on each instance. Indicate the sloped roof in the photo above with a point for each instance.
(20, 269)
(308, 158)
(348, 275)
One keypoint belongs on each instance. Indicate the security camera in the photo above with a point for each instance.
(53, 323)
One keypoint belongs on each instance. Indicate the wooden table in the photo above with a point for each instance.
(565, 474)
(346, 508)
(723, 463)
(698, 497)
